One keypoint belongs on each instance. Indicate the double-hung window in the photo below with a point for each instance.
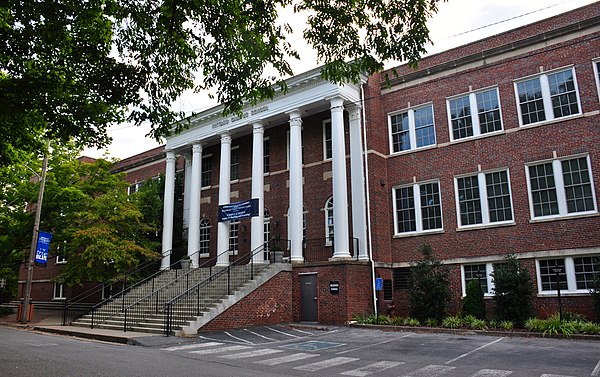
(206, 178)
(548, 96)
(574, 274)
(474, 114)
(204, 237)
(596, 64)
(235, 163)
(411, 129)
(234, 232)
(266, 156)
(484, 198)
(481, 273)
(59, 291)
(327, 141)
(417, 208)
(561, 187)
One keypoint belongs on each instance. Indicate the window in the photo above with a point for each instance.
(548, 96)
(412, 129)
(575, 274)
(388, 294)
(484, 198)
(417, 208)
(266, 233)
(235, 163)
(206, 171)
(561, 188)
(402, 278)
(132, 189)
(233, 237)
(61, 253)
(327, 144)
(596, 64)
(329, 222)
(478, 273)
(474, 114)
(266, 157)
(59, 291)
(204, 237)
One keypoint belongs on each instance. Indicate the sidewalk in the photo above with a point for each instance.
(50, 321)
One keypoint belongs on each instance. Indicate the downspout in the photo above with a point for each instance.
(368, 195)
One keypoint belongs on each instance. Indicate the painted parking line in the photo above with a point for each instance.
(374, 344)
(260, 335)
(238, 338)
(286, 359)
(282, 332)
(372, 368)
(473, 351)
(596, 371)
(254, 353)
(554, 375)
(491, 373)
(312, 345)
(192, 346)
(430, 371)
(221, 349)
(326, 364)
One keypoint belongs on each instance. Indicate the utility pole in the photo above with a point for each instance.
(34, 238)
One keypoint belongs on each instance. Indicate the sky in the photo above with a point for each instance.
(456, 23)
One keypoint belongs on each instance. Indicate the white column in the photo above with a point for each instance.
(194, 193)
(258, 167)
(296, 200)
(187, 191)
(340, 189)
(357, 176)
(168, 210)
(224, 198)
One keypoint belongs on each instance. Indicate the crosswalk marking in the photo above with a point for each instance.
(221, 349)
(286, 359)
(372, 368)
(555, 375)
(247, 354)
(430, 371)
(326, 363)
(492, 373)
(192, 346)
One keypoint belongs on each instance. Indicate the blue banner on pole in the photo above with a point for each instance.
(378, 284)
(239, 210)
(43, 245)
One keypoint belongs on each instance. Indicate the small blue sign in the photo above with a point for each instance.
(43, 245)
(378, 284)
(239, 210)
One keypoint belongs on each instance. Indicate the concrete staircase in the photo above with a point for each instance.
(143, 306)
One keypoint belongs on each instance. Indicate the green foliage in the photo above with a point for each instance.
(70, 69)
(412, 322)
(595, 292)
(534, 324)
(430, 292)
(383, 320)
(507, 325)
(452, 322)
(589, 328)
(4, 311)
(513, 289)
(431, 322)
(473, 301)
(478, 324)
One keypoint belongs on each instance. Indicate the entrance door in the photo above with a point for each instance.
(308, 298)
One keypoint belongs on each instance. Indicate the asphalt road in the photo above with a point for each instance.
(282, 351)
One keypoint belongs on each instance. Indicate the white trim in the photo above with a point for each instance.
(410, 111)
(474, 113)
(569, 271)
(417, 208)
(595, 66)
(61, 292)
(325, 123)
(328, 210)
(489, 268)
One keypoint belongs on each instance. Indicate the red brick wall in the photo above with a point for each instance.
(270, 304)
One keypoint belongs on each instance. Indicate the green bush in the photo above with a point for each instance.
(4, 311)
(452, 322)
(513, 298)
(430, 292)
(507, 325)
(478, 324)
(535, 325)
(412, 322)
(364, 319)
(398, 321)
(589, 328)
(554, 326)
(473, 301)
(431, 322)
(383, 320)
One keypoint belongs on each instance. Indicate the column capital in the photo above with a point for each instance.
(354, 112)
(258, 128)
(170, 155)
(197, 148)
(225, 138)
(295, 117)
(337, 103)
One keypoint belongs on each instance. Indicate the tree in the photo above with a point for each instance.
(473, 302)
(70, 68)
(430, 292)
(513, 291)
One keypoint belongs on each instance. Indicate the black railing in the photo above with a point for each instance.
(84, 302)
(193, 301)
(322, 249)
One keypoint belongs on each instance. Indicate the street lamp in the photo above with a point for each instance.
(557, 271)
(479, 275)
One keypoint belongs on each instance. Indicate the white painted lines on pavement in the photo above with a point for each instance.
(247, 354)
(492, 373)
(260, 335)
(553, 375)
(286, 359)
(430, 371)
(237, 338)
(282, 332)
(373, 345)
(326, 364)
(372, 368)
(221, 349)
(192, 346)
(473, 351)
(596, 371)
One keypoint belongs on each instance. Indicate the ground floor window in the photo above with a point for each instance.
(481, 273)
(571, 274)
(59, 291)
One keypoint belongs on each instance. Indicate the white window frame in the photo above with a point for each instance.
(489, 268)
(266, 155)
(475, 124)
(418, 214)
(206, 171)
(560, 189)
(204, 227)
(411, 128)
(58, 292)
(266, 233)
(327, 142)
(547, 101)
(483, 200)
(570, 274)
(60, 253)
(234, 237)
(596, 66)
(235, 148)
(134, 187)
(329, 221)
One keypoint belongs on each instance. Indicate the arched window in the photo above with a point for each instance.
(204, 237)
(329, 221)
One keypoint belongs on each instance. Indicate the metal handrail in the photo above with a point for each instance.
(193, 307)
(78, 303)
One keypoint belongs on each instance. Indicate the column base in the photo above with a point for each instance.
(341, 257)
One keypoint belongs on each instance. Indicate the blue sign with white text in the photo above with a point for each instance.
(239, 210)
(43, 245)
(378, 284)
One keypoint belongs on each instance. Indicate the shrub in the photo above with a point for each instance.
(513, 289)
(383, 320)
(589, 328)
(554, 326)
(535, 325)
(431, 322)
(473, 301)
(478, 324)
(507, 325)
(468, 320)
(364, 319)
(4, 311)
(452, 322)
(412, 322)
(398, 321)
(430, 292)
